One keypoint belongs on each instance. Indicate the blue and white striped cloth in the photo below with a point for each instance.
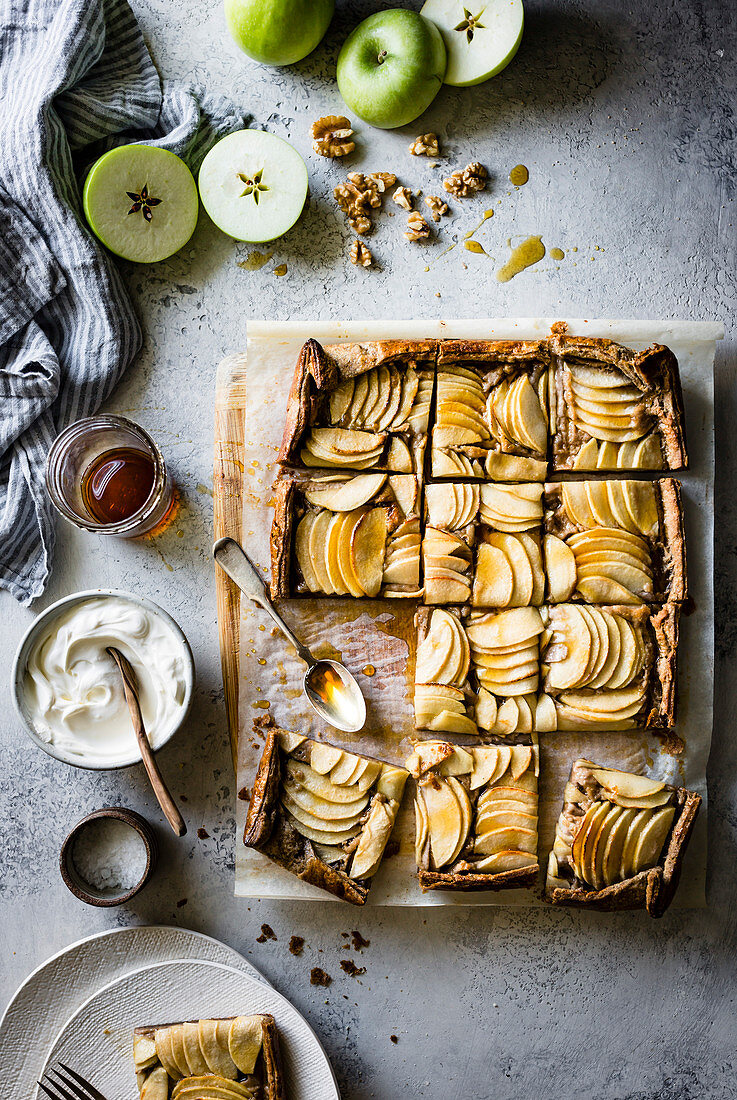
(75, 79)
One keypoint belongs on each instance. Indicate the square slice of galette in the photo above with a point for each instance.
(615, 542)
(342, 534)
(620, 840)
(614, 408)
(236, 1058)
(475, 815)
(482, 544)
(610, 668)
(360, 406)
(491, 410)
(323, 813)
(480, 671)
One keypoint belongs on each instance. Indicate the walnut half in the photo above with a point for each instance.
(331, 135)
(436, 206)
(426, 145)
(360, 254)
(417, 227)
(465, 181)
(360, 194)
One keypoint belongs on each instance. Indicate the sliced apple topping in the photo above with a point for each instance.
(245, 1039)
(442, 708)
(509, 571)
(212, 1086)
(374, 837)
(346, 494)
(611, 569)
(511, 508)
(214, 1046)
(592, 647)
(446, 567)
(451, 506)
(342, 447)
(459, 417)
(402, 560)
(626, 788)
(444, 655)
(453, 463)
(506, 467)
(449, 817)
(144, 1051)
(156, 1085)
(613, 842)
(516, 415)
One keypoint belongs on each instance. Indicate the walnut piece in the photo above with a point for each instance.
(331, 135)
(425, 145)
(360, 254)
(465, 181)
(403, 197)
(437, 206)
(359, 195)
(417, 227)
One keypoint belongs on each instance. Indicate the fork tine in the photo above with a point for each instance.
(93, 1092)
(60, 1090)
(47, 1090)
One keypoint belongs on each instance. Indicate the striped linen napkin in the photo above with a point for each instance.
(75, 79)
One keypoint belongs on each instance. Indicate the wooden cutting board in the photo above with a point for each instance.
(230, 404)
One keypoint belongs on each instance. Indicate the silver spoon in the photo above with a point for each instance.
(329, 686)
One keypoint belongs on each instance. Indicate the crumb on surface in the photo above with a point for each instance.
(181, 902)
(296, 943)
(393, 1039)
(349, 967)
(203, 834)
(267, 933)
(358, 941)
(319, 977)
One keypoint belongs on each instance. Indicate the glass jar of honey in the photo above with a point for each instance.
(106, 474)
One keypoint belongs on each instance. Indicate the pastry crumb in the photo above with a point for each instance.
(319, 977)
(359, 942)
(296, 943)
(267, 933)
(349, 967)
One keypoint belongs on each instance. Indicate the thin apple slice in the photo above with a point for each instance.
(332, 544)
(445, 821)
(599, 589)
(325, 810)
(506, 818)
(340, 400)
(347, 770)
(245, 1039)
(176, 1039)
(531, 546)
(629, 784)
(353, 415)
(486, 709)
(546, 717)
(571, 671)
(530, 418)
(345, 441)
(560, 567)
(302, 550)
(373, 397)
(648, 454)
(521, 760)
(504, 861)
(597, 496)
(214, 1046)
(324, 757)
(587, 457)
(162, 1039)
(156, 1085)
(421, 828)
(515, 837)
(302, 775)
(410, 385)
(602, 677)
(321, 836)
(607, 702)
(601, 647)
(631, 577)
(367, 549)
(597, 810)
(344, 496)
(441, 502)
(576, 504)
(635, 831)
(640, 500)
(511, 627)
(493, 584)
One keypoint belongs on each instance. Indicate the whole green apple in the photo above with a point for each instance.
(391, 67)
(278, 32)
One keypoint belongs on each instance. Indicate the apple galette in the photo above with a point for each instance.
(615, 542)
(613, 408)
(475, 815)
(360, 406)
(610, 668)
(482, 544)
(346, 535)
(620, 840)
(491, 410)
(323, 813)
(225, 1059)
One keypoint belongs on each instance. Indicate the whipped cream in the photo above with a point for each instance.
(74, 692)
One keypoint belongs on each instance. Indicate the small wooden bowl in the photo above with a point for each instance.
(82, 889)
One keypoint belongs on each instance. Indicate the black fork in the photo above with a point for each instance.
(65, 1084)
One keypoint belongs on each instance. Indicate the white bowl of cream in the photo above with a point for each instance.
(69, 693)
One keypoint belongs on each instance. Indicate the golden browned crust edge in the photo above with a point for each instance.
(264, 794)
(652, 890)
(350, 360)
(673, 537)
(665, 625)
(654, 370)
(503, 351)
(281, 538)
(504, 880)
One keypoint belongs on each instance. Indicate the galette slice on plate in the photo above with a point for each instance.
(620, 840)
(234, 1058)
(475, 815)
(360, 406)
(342, 534)
(613, 408)
(491, 410)
(323, 813)
(615, 542)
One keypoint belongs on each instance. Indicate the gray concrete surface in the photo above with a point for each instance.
(624, 114)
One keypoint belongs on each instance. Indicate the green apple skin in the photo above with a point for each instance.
(278, 32)
(391, 67)
(491, 48)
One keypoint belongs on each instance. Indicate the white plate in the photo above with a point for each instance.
(52, 992)
(98, 1040)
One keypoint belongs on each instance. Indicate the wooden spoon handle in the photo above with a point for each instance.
(160, 788)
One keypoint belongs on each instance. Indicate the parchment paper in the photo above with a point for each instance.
(374, 639)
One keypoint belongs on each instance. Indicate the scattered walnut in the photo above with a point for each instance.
(331, 135)
(437, 206)
(359, 195)
(466, 180)
(417, 227)
(360, 254)
(425, 145)
(403, 197)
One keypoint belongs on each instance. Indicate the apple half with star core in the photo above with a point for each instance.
(141, 202)
(278, 32)
(253, 185)
(391, 67)
(480, 38)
